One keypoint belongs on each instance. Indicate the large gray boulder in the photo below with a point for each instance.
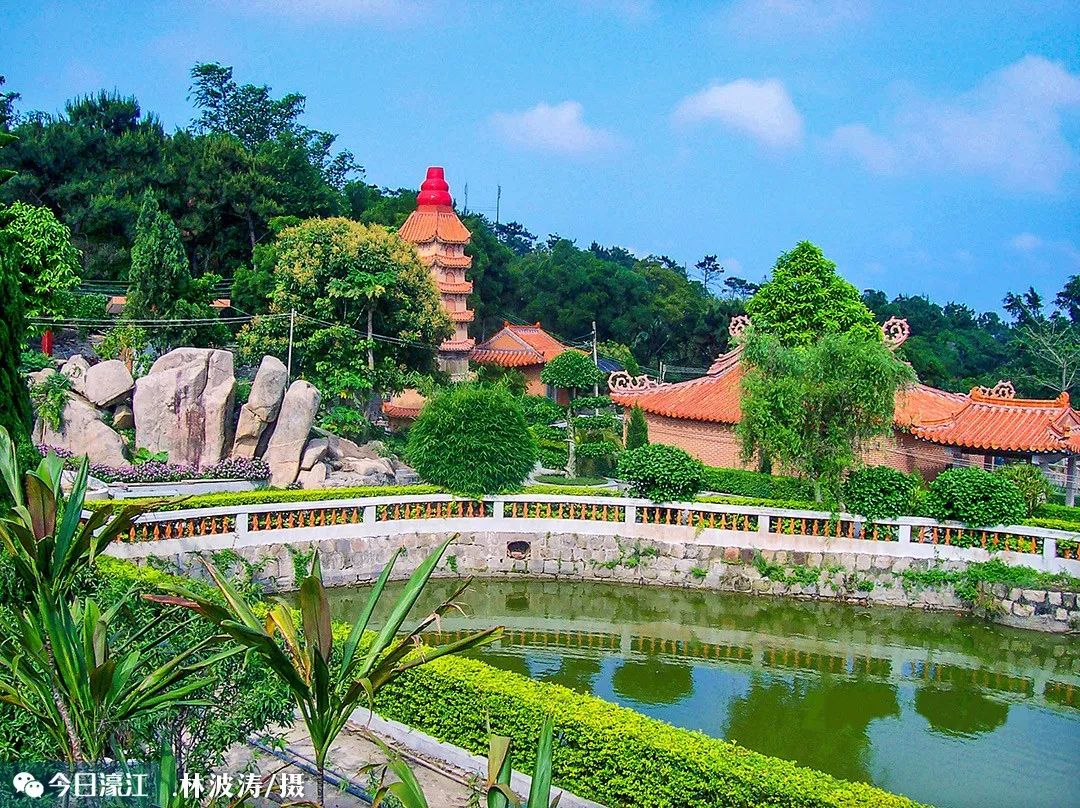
(183, 406)
(83, 433)
(75, 369)
(350, 472)
(262, 406)
(107, 383)
(294, 422)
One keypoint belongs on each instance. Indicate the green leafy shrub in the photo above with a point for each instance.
(541, 410)
(879, 492)
(472, 440)
(592, 403)
(661, 473)
(1031, 481)
(571, 370)
(347, 422)
(756, 484)
(50, 398)
(975, 497)
(32, 361)
(243, 391)
(608, 753)
(128, 343)
(637, 431)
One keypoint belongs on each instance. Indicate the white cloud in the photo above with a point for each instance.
(1047, 249)
(1025, 242)
(761, 109)
(557, 128)
(391, 12)
(1008, 128)
(795, 18)
(873, 151)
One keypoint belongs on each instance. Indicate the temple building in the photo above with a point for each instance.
(526, 348)
(440, 239)
(932, 429)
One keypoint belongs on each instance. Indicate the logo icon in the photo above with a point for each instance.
(25, 783)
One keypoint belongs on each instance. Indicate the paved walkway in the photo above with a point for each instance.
(444, 786)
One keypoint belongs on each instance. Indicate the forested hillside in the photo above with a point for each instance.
(247, 165)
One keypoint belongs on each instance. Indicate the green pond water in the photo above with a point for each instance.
(943, 708)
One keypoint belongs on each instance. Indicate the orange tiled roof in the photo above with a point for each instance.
(465, 316)
(450, 288)
(457, 345)
(448, 261)
(430, 222)
(992, 423)
(974, 420)
(406, 404)
(518, 346)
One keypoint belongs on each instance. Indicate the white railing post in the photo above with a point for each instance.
(630, 514)
(369, 514)
(1050, 553)
(763, 524)
(903, 535)
(243, 524)
(497, 509)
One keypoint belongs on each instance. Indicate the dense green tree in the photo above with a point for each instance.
(15, 411)
(818, 382)
(811, 408)
(346, 280)
(160, 286)
(46, 261)
(806, 299)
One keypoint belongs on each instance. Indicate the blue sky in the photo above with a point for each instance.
(929, 148)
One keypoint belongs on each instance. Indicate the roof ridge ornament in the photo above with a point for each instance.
(1003, 389)
(738, 325)
(620, 381)
(895, 332)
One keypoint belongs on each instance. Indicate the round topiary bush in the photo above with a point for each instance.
(975, 497)
(472, 440)
(879, 492)
(661, 473)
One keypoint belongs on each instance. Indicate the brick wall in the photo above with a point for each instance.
(717, 445)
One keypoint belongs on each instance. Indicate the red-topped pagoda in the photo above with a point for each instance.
(440, 240)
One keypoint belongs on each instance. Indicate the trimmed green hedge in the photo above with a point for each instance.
(229, 499)
(756, 484)
(1061, 513)
(605, 752)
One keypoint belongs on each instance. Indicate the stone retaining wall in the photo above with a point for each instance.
(868, 578)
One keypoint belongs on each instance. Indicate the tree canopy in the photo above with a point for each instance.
(806, 299)
(334, 273)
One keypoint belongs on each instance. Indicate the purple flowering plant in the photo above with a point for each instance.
(156, 471)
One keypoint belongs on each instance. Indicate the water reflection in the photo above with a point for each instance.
(821, 723)
(652, 681)
(863, 694)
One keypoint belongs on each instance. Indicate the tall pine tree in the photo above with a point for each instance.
(160, 285)
(15, 411)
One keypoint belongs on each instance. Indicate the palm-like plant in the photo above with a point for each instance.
(59, 665)
(58, 659)
(327, 691)
(500, 768)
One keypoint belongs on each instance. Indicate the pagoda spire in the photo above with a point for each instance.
(440, 239)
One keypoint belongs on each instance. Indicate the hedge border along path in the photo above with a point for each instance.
(605, 752)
